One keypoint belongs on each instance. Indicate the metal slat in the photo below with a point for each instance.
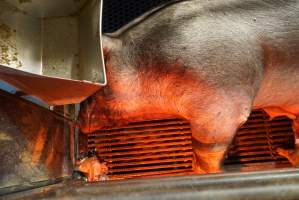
(264, 159)
(107, 137)
(254, 153)
(148, 151)
(143, 146)
(153, 162)
(257, 136)
(155, 173)
(256, 147)
(246, 126)
(263, 131)
(151, 156)
(161, 166)
(154, 123)
(259, 141)
(153, 139)
(144, 129)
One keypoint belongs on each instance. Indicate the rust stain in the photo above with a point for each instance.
(50, 158)
(39, 146)
(8, 47)
(5, 31)
(52, 153)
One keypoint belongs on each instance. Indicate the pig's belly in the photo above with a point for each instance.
(280, 88)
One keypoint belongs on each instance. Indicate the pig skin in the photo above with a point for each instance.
(210, 62)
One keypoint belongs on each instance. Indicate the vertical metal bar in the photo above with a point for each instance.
(101, 41)
(76, 133)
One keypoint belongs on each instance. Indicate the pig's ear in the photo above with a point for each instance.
(111, 43)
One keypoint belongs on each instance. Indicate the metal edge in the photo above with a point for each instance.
(101, 42)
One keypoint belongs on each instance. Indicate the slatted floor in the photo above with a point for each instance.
(164, 147)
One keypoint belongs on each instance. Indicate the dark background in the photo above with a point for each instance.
(117, 13)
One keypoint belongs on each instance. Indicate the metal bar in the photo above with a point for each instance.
(256, 133)
(233, 167)
(142, 146)
(162, 166)
(253, 153)
(257, 136)
(170, 172)
(154, 156)
(156, 162)
(160, 150)
(260, 158)
(264, 146)
(252, 136)
(107, 137)
(259, 141)
(271, 184)
(113, 144)
(145, 129)
(275, 120)
(152, 123)
(262, 125)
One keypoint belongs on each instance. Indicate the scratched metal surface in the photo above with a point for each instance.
(35, 144)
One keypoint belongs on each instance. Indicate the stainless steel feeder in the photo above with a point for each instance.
(51, 49)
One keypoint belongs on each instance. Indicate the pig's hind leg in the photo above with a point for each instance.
(292, 154)
(213, 129)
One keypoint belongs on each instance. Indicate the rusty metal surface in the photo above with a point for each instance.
(272, 185)
(35, 144)
(53, 91)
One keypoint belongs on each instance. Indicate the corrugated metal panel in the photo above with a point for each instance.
(148, 148)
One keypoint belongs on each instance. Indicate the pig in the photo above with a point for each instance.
(208, 61)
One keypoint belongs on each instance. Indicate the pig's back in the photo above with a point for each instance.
(215, 38)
